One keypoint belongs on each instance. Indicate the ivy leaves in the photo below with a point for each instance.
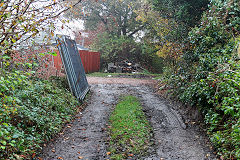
(212, 81)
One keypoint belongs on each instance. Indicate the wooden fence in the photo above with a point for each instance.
(90, 60)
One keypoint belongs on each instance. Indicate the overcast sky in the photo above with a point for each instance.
(68, 28)
(62, 28)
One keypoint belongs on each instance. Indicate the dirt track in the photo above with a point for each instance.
(86, 137)
(124, 81)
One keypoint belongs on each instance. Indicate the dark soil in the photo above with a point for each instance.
(86, 136)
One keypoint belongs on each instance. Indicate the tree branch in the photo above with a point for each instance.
(136, 30)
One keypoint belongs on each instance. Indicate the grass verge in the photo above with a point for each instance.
(129, 130)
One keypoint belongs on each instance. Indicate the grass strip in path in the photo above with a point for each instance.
(129, 130)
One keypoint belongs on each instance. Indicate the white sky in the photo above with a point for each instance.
(63, 28)
(69, 28)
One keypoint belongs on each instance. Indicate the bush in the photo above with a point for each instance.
(209, 75)
(31, 112)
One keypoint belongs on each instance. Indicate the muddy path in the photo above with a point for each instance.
(86, 136)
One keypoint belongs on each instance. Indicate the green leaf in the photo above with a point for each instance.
(6, 57)
(53, 53)
(42, 54)
(3, 142)
(5, 124)
(13, 40)
(21, 148)
(12, 144)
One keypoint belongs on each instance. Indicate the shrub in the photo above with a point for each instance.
(31, 112)
(209, 75)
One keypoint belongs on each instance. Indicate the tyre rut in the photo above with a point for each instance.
(87, 137)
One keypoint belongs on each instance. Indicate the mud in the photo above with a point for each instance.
(125, 81)
(141, 76)
(86, 136)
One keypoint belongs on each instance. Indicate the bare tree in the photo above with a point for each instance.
(23, 19)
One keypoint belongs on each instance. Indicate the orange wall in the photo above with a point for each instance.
(90, 60)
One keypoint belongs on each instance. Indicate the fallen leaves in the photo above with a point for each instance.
(33, 155)
(80, 157)
(84, 129)
(67, 138)
(208, 155)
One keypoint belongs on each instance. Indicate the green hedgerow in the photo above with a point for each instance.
(209, 75)
(31, 112)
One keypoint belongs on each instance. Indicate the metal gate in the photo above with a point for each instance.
(73, 66)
